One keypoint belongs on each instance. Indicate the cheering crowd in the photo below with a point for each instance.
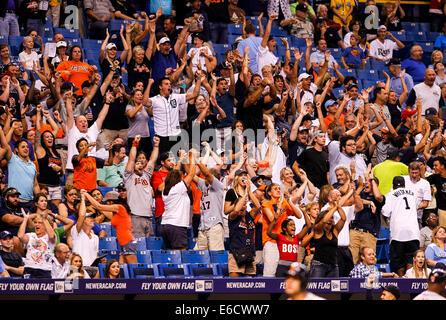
(277, 161)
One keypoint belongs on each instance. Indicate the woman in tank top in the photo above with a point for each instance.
(325, 237)
(287, 243)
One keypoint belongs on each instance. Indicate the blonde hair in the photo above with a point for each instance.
(436, 51)
(136, 30)
(138, 49)
(282, 174)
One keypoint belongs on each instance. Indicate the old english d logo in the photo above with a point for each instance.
(173, 103)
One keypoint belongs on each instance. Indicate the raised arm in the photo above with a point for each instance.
(268, 30)
(104, 111)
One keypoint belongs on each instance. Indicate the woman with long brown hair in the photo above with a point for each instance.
(177, 213)
(419, 269)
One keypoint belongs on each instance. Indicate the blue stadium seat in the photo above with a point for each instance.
(232, 38)
(192, 256)
(143, 270)
(107, 228)
(221, 48)
(259, 269)
(235, 29)
(385, 267)
(115, 25)
(219, 256)
(202, 270)
(123, 272)
(256, 22)
(48, 32)
(166, 256)
(336, 53)
(15, 41)
(416, 36)
(382, 245)
(104, 190)
(172, 270)
(110, 254)
(432, 36)
(400, 35)
(92, 44)
(125, 78)
(222, 269)
(154, 243)
(428, 47)
(368, 83)
(300, 43)
(410, 26)
(378, 65)
(141, 243)
(349, 72)
(108, 243)
(68, 33)
(367, 74)
(3, 39)
(144, 256)
(425, 27)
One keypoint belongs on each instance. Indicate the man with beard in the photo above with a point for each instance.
(11, 216)
(343, 152)
(137, 177)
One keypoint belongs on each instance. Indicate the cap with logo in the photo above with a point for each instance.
(407, 113)
(303, 76)
(60, 44)
(164, 40)
(430, 112)
(399, 182)
(4, 234)
(111, 45)
(393, 289)
(11, 192)
(329, 103)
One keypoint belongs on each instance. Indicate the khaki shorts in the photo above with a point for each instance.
(211, 239)
(233, 267)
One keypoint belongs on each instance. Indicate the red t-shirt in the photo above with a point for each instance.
(158, 179)
(287, 249)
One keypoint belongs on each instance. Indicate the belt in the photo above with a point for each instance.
(364, 230)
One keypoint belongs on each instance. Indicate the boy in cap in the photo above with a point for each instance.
(296, 283)
(12, 260)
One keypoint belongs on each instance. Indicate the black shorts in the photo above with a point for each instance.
(174, 237)
(401, 253)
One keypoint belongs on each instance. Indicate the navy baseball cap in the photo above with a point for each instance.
(4, 234)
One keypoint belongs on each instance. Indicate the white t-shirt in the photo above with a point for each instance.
(199, 59)
(139, 193)
(429, 295)
(401, 208)
(39, 252)
(381, 50)
(265, 58)
(177, 207)
(344, 235)
(28, 59)
(74, 135)
(166, 114)
(422, 191)
(430, 96)
(86, 247)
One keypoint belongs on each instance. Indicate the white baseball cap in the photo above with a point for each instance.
(111, 45)
(164, 40)
(382, 27)
(61, 44)
(303, 76)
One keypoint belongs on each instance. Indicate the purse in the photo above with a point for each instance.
(243, 255)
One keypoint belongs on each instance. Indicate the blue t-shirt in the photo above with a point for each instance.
(21, 176)
(160, 63)
(253, 43)
(353, 56)
(415, 68)
(226, 102)
(434, 252)
(440, 42)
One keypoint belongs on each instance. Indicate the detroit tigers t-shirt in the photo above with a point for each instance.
(139, 193)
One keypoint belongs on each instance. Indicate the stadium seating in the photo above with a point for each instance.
(219, 256)
(107, 228)
(108, 243)
(144, 256)
(166, 256)
(110, 254)
(154, 243)
(143, 270)
(385, 267)
(382, 245)
(170, 270)
(191, 256)
(203, 270)
(141, 243)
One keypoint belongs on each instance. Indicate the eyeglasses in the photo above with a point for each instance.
(72, 194)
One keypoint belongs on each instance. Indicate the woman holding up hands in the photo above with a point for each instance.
(287, 242)
(121, 221)
(109, 53)
(177, 208)
(39, 246)
(325, 239)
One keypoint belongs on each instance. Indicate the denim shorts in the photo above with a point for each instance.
(130, 248)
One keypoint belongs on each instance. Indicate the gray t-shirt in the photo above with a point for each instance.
(425, 237)
(211, 203)
(139, 193)
(139, 123)
(373, 116)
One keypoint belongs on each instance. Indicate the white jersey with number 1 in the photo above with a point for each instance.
(402, 209)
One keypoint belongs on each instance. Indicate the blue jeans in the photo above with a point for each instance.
(9, 25)
(219, 32)
(322, 270)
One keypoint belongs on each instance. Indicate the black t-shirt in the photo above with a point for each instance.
(12, 259)
(218, 11)
(5, 226)
(295, 149)
(331, 37)
(395, 113)
(106, 66)
(315, 164)
(116, 118)
(231, 196)
(13, 102)
(394, 24)
(407, 155)
(440, 184)
(241, 233)
(366, 219)
(138, 72)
